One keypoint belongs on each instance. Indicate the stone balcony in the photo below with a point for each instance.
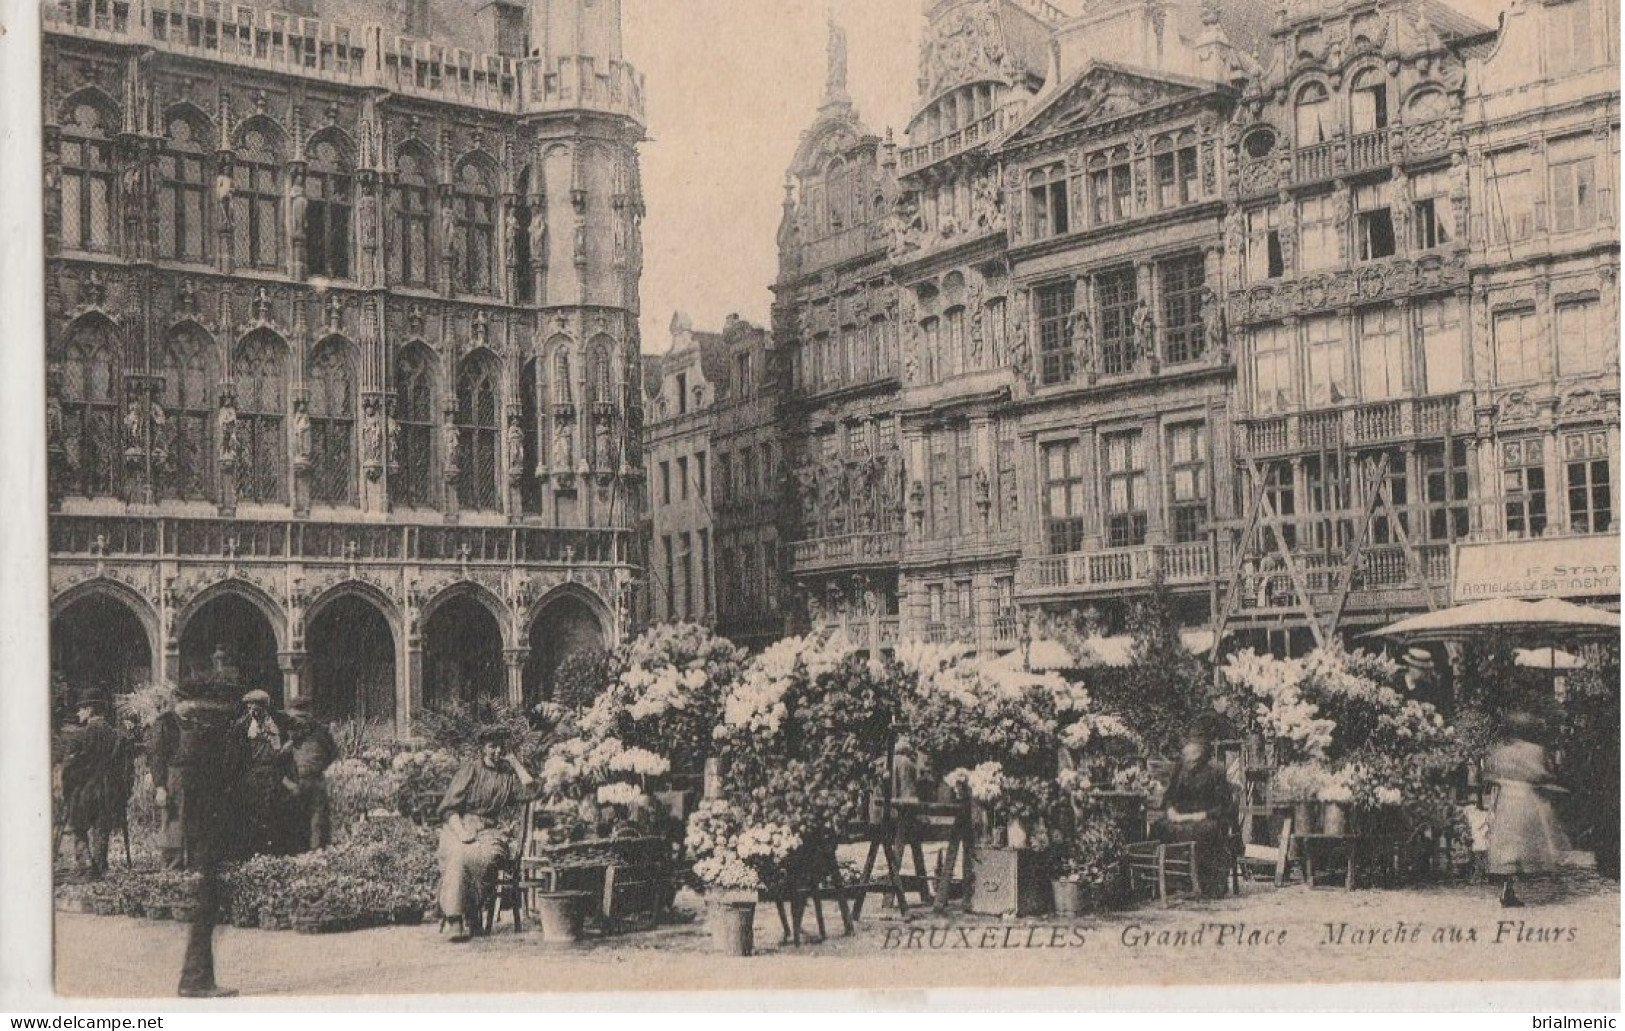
(1363, 152)
(362, 56)
(850, 551)
(1117, 569)
(1365, 425)
(978, 133)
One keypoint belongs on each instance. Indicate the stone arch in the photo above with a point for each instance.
(352, 636)
(241, 616)
(478, 593)
(104, 636)
(275, 137)
(197, 121)
(342, 141)
(103, 103)
(466, 632)
(568, 619)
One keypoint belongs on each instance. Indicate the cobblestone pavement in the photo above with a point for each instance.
(1290, 935)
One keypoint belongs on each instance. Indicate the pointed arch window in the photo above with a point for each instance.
(328, 205)
(410, 474)
(261, 379)
(332, 424)
(477, 432)
(524, 285)
(89, 394)
(476, 227)
(186, 366)
(600, 376)
(562, 393)
(409, 230)
(184, 210)
(530, 421)
(257, 200)
(87, 179)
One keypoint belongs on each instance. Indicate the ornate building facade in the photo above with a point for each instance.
(1299, 310)
(342, 303)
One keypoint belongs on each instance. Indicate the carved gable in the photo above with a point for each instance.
(1102, 93)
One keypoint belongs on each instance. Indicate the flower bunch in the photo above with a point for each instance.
(1299, 782)
(985, 783)
(1137, 780)
(620, 793)
(730, 853)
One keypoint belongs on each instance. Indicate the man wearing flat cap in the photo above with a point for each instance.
(473, 839)
(263, 801)
(93, 789)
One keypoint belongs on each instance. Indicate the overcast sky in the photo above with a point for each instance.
(731, 86)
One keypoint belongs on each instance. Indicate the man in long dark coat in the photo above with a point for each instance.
(168, 792)
(94, 790)
(310, 751)
(263, 802)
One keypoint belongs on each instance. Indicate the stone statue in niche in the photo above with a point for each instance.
(226, 430)
(392, 441)
(563, 446)
(581, 243)
(514, 440)
(223, 193)
(978, 327)
(1145, 335)
(301, 434)
(538, 234)
(53, 408)
(987, 205)
(372, 438)
(158, 430)
(451, 445)
(134, 437)
(1214, 327)
(297, 202)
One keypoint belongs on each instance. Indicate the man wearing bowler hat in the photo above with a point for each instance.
(92, 787)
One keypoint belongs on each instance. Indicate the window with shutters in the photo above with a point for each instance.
(1517, 346)
(1586, 462)
(475, 246)
(1574, 185)
(478, 430)
(1583, 345)
(187, 367)
(1126, 500)
(184, 205)
(1444, 357)
(1523, 486)
(1188, 488)
(261, 378)
(257, 199)
(332, 409)
(329, 201)
(1115, 299)
(1183, 333)
(410, 261)
(1057, 359)
(411, 479)
(87, 178)
(1382, 354)
(89, 389)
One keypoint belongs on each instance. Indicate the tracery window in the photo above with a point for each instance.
(87, 179)
(410, 481)
(260, 376)
(184, 210)
(328, 204)
(409, 234)
(88, 365)
(332, 424)
(257, 200)
(477, 432)
(476, 228)
(187, 368)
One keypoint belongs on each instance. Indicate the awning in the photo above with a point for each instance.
(1506, 616)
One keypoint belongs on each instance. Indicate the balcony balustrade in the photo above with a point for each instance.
(960, 140)
(1354, 426)
(1118, 568)
(856, 549)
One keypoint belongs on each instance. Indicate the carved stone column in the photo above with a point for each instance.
(513, 660)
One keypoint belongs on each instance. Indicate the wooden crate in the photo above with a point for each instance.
(1008, 880)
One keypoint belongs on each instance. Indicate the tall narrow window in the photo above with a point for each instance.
(1433, 214)
(89, 393)
(1265, 259)
(1369, 102)
(1517, 346)
(332, 405)
(186, 366)
(942, 483)
(1175, 169)
(1320, 234)
(87, 179)
(1510, 187)
(1111, 186)
(410, 473)
(1438, 326)
(601, 392)
(1115, 300)
(328, 203)
(1523, 486)
(1570, 47)
(1445, 486)
(1327, 360)
(1586, 460)
(183, 193)
(1373, 222)
(257, 200)
(1055, 345)
(260, 375)
(1383, 357)
(410, 260)
(1313, 119)
(1574, 184)
(1582, 344)
(1007, 497)
(475, 246)
(964, 480)
(1183, 332)
(1272, 369)
(1126, 501)
(478, 412)
(1188, 488)
(1062, 466)
(524, 279)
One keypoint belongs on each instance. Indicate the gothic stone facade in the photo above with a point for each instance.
(342, 343)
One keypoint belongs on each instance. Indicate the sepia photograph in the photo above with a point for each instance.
(565, 496)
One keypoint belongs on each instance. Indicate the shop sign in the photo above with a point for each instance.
(1566, 567)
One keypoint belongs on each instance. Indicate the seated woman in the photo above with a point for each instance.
(1199, 807)
(472, 839)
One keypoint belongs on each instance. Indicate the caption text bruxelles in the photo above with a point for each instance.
(1213, 934)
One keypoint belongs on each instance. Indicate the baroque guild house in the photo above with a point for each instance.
(344, 374)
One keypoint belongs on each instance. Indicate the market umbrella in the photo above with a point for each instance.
(1507, 616)
(1039, 655)
(1547, 659)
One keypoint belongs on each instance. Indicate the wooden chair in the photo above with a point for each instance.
(1261, 862)
(1163, 867)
